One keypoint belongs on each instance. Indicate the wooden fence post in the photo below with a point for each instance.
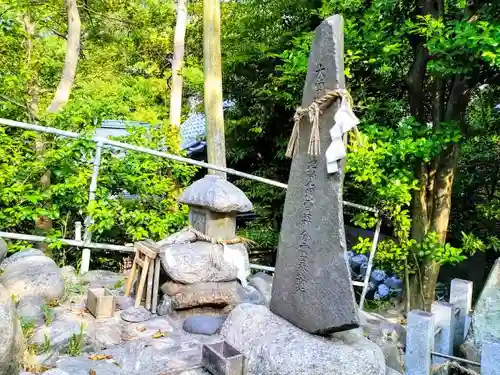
(461, 298)
(419, 343)
(490, 358)
(444, 332)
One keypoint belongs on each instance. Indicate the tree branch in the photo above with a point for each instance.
(63, 91)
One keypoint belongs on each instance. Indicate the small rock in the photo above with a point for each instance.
(165, 306)
(135, 315)
(29, 309)
(34, 275)
(249, 294)
(3, 249)
(181, 315)
(124, 302)
(263, 283)
(19, 256)
(11, 339)
(204, 294)
(203, 325)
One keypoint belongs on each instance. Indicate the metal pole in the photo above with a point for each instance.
(91, 245)
(370, 264)
(181, 159)
(85, 263)
(453, 358)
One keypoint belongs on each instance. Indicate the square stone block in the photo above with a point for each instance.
(101, 303)
(220, 358)
(214, 224)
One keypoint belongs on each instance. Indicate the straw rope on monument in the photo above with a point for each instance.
(345, 120)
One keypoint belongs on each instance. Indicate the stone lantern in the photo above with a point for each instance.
(213, 204)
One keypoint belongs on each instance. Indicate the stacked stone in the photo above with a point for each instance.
(206, 265)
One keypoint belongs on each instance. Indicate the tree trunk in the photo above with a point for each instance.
(177, 63)
(63, 91)
(216, 145)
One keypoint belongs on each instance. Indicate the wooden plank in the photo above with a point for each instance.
(130, 278)
(142, 282)
(156, 285)
(149, 286)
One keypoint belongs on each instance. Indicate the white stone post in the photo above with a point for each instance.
(444, 331)
(461, 299)
(419, 343)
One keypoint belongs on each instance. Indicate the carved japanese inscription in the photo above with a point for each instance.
(312, 287)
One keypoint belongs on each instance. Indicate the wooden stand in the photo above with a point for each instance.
(146, 257)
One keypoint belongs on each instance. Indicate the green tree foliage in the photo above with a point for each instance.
(122, 74)
(414, 69)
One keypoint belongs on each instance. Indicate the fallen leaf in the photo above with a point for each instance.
(159, 334)
(100, 357)
(92, 372)
(140, 328)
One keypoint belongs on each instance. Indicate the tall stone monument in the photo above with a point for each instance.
(312, 284)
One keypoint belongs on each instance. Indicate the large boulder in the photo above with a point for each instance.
(19, 256)
(11, 339)
(30, 309)
(201, 261)
(35, 275)
(274, 346)
(485, 324)
(3, 249)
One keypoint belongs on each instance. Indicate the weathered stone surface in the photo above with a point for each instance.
(184, 236)
(124, 302)
(102, 279)
(82, 366)
(68, 273)
(203, 294)
(274, 346)
(485, 317)
(390, 337)
(168, 355)
(203, 324)
(165, 306)
(202, 262)
(216, 194)
(312, 283)
(29, 309)
(55, 371)
(59, 333)
(11, 344)
(263, 283)
(20, 255)
(135, 314)
(34, 276)
(3, 249)
(249, 294)
(181, 315)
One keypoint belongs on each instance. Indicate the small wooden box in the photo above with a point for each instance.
(221, 358)
(101, 303)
